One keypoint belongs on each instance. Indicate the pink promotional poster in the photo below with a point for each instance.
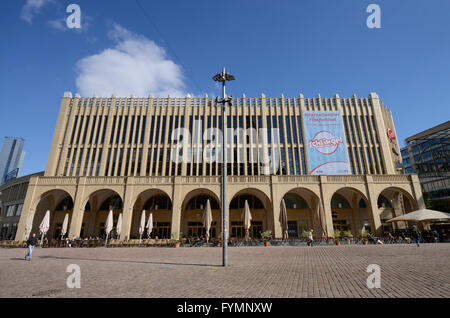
(325, 143)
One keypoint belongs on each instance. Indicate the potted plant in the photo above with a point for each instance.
(337, 235)
(364, 236)
(176, 239)
(267, 235)
(348, 235)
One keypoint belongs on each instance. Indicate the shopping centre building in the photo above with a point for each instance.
(333, 161)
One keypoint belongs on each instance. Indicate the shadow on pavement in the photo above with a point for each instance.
(126, 261)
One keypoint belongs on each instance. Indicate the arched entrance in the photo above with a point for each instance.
(192, 213)
(350, 213)
(159, 205)
(258, 204)
(393, 202)
(59, 203)
(300, 206)
(56, 223)
(96, 212)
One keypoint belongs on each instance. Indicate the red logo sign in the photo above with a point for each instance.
(325, 142)
(391, 134)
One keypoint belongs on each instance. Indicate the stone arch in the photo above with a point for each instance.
(93, 220)
(400, 202)
(197, 192)
(159, 204)
(261, 195)
(50, 200)
(95, 204)
(353, 218)
(191, 216)
(396, 191)
(302, 218)
(262, 218)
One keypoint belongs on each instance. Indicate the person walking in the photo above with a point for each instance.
(310, 237)
(32, 241)
(416, 234)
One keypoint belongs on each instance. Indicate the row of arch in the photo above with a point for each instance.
(349, 207)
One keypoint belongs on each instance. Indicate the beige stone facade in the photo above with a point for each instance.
(117, 153)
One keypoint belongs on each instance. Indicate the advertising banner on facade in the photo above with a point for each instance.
(326, 147)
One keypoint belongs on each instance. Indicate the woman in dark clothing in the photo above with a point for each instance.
(32, 241)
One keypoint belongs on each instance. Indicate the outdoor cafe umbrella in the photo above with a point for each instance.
(45, 225)
(421, 216)
(283, 219)
(141, 226)
(109, 225)
(119, 225)
(149, 224)
(207, 219)
(247, 220)
(65, 225)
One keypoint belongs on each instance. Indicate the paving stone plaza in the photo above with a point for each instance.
(322, 271)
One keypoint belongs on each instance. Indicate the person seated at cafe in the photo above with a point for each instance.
(371, 238)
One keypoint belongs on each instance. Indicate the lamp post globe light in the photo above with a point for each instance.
(223, 77)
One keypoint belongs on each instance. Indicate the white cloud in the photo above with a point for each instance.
(32, 8)
(135, 65)
(58, 24)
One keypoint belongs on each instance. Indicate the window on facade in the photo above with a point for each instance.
(114, 202)
(362, 204)
(159, 202)
(339, 202)
(239, 202)
(383, 202)
(19, 209)
(294, 201)
(74, 129)
(65, 204)
(199, 203)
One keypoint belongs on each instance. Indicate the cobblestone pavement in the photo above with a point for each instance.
(322, 271)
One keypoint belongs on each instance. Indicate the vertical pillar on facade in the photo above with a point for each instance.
(58, 137)
(276, 199)
(381, 130)
(356, 214)
(177, 201)
(28, 210)
(127, 209)
(301, 130)
(326, 195)
(397, 210)
(92, 216)
(147, 140)
(374, 215)
(417, 192)
(187, 112)
(108, 136)
(78, 209)
(263, 146)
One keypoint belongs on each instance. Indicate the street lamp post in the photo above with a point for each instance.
(223, 77)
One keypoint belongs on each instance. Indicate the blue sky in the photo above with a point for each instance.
(272, 47)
